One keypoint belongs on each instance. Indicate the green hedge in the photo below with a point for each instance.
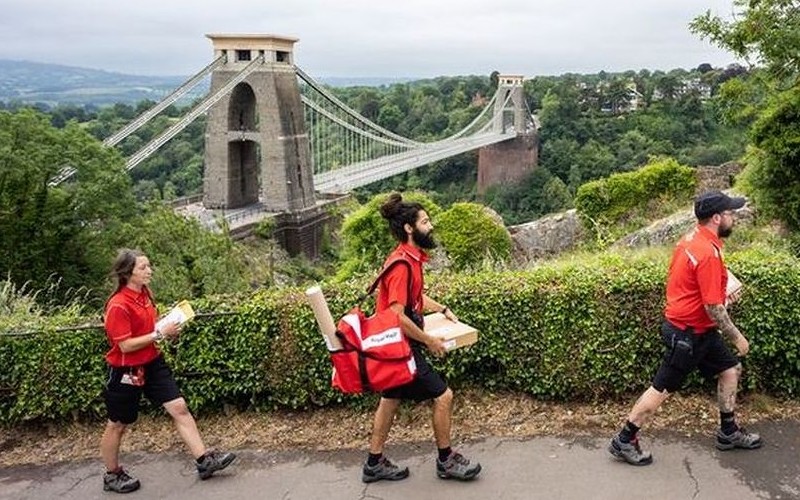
(609, 200)
(581, 330)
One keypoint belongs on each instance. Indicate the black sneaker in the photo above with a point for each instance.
(457, 466)
(213, 461)
(384, 469)
(739, 439)
(120, 481)
(630, 452)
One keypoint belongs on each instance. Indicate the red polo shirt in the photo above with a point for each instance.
(697, 277)
(130, 314)
(394, 285)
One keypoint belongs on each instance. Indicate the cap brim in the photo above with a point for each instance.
(737, 203)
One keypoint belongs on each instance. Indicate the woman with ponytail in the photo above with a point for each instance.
(136, 367)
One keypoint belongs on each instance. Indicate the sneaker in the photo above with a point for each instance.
(630, 452)
(384, 469)
(739, 439)
(213, 461)
(457, 466)
(120, 481)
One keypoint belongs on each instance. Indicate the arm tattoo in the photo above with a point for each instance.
(720, 316)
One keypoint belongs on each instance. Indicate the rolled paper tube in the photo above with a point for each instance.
(324, 318)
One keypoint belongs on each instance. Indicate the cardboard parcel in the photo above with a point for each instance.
(179, 314)
(454, 335)
(734, 287)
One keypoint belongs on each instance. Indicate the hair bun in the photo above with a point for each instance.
(391, 206)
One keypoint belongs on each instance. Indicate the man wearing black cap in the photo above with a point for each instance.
(695, 315)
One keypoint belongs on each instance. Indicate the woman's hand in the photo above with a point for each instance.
(171, 330)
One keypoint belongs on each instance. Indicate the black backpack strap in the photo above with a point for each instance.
(362, 370)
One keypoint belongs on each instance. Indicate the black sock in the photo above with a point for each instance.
(373, 459)
(444, 453)
(727, 423)
(628, 432)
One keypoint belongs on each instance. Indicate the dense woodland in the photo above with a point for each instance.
(591, 126)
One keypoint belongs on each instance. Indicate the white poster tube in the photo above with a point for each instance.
(324, 318)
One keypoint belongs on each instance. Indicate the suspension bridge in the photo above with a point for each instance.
(277, 140)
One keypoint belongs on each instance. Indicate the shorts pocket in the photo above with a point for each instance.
(682, 354)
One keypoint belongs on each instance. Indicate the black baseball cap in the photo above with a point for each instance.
(715, 202)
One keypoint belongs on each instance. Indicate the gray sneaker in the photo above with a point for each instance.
(120, 481)
(739, 439)
(213, 461)
(457, 466)
(384, 469)
(630, 452)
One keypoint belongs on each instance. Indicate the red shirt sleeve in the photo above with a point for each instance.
(710, 279)
(396, 283)
(118, 323)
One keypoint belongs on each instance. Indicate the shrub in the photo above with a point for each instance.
(583, 329)
(470, 235)
(772, 175)
(366, 239)
(610, 200)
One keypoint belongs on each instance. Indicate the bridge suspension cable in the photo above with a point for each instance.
(349, 150)
(320, 90)
(199, 109)
(171, 98)
(67, 172)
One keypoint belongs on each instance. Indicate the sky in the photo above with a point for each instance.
(368, 38)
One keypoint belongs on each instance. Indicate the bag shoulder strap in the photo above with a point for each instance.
(386, 268)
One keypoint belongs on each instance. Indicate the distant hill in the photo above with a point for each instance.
(53, 84)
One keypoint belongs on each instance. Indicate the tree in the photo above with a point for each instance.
(668, 87)
(191, 260)
(705, 68)
(494, 80)
(772, 176)
(617, 95)
(761, 31)
(61, 233)
(766, 32)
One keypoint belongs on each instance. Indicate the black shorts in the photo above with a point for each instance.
(686, 351)
(122, 399)
(427, 384)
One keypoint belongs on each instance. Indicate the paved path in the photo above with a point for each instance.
(540, 468)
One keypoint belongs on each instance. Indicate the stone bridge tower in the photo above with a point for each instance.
(509, 161)
(256, 146)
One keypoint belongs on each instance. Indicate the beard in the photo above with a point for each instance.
(724, 232)
(423, 240)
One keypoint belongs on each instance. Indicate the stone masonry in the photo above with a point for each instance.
(257, 148)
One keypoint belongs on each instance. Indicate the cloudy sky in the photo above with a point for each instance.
(359, 38)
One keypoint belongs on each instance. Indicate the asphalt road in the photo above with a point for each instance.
(540, 468)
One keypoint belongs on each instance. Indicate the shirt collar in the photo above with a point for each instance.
(141, 297)
(412, 251)
(710, 235)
